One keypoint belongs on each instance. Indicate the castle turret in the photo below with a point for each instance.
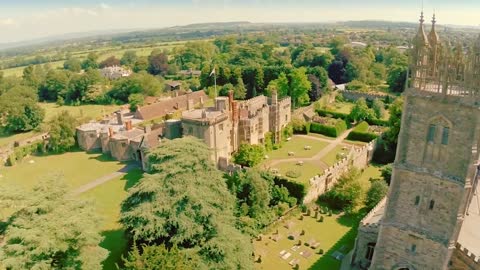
(420, 55)
(434, 43)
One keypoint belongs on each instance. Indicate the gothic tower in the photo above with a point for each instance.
(435, 165)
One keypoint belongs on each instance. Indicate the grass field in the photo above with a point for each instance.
(108, 198)
(332, 156)
(296, 145)
(77, 168)
(307, 170)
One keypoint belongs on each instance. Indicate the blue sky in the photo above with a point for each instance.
(30, 19)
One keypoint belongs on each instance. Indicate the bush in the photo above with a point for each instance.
(249, 155)
(378, 190)
(293, 174)
(331, 131)
(337, 115)
(346, 194)
(299, 126)
(296, 190)
(360, 133)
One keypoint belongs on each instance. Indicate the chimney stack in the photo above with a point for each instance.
(230, 99)
(147, 129)
(128, 125)
(119, 117)
(110, 132)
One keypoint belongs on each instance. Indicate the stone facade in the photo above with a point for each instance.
(115, 72)
(435, 167)
(230, 123)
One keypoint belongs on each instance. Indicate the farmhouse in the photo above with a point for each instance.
(115, 72)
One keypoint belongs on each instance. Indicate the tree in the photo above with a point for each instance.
(387, 173)
(55, 85)
(281, 85)
(240, 92)
(361, 112)
(299, 86)
(377, 191)
(188, 206)
(396, 78)
(80, 83)
(73, 64)
(90, 62)
(110, 62)
(158, 63)
(62, 130)
(316, 90)
(249, 155)
(395, 121)
(378, 108)
(32, 76)
(141, 64)
(42, 232)
(158, 258)
(346, 194)
(140, 83)
(336, 44)
(135, 100)
(20, 111)
(337, 71)
(129, 58)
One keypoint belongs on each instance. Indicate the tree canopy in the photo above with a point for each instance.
(62, 132)
(20, 111)
(50, 230)
(188, 205)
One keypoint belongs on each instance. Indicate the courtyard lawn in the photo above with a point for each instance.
(108, 198)
(296, 145)
(328, 234)
(333, 156)
(307, 170)
(372, 171)
(77, 169)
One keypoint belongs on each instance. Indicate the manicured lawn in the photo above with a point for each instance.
(328, 233)
(83, 111)
(333, 156)
(372, 171)
(307, 170)
(108, 198)
(77, 168)
(8, 138)
(296, 145)
(342, 107)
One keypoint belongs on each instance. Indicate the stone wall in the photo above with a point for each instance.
(319, 184)
(463, 259)
(8, 149)
(355, 95)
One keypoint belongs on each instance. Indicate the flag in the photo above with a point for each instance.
(211, 73)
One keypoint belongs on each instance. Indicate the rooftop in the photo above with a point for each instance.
(200, 114)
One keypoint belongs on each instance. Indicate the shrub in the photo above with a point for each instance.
(332, 131)
(293, 174)
(249, 155)
(295, 189)
(346, 194)
(360, 133)
(332, 114)
(375, 194)
(299, 126)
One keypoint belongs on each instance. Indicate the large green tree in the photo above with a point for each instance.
(20, 111)
(62, 132)
(159, 258)
(299, 87)
(184, 201)
(129, 58)
(141, 83)
(49, 230)
(249, 155)
(377, 191)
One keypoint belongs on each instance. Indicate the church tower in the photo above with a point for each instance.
(435, 165)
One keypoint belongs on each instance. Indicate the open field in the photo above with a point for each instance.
(306, 171)
(77, 168)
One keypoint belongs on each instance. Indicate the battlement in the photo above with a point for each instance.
(373, 217)
(466, 253)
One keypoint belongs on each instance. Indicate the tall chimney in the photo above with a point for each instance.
(110, 132)
(201, 102)
(119, 117)
(230, 99)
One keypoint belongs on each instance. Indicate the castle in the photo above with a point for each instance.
(431, 217)
(222, 127)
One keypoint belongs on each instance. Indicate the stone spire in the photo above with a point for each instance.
(421, 38)
(433, 36)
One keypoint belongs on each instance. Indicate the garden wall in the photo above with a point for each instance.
(360, 158)
(7, 150)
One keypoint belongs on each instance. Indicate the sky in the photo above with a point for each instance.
(33, 19)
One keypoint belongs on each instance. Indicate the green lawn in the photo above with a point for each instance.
(296, 145)
(8, 138)
(328, 233)
(332, 156)
(77, 168)
(307, 170)
(90, 111)
(108, 198)
(342, 107)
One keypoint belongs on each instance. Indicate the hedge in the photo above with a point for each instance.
(303, 128)
(377, 122)
(332, 114)
(20, 152)
(361, 127)
(331, 131)
(362, 136)
(296, 190)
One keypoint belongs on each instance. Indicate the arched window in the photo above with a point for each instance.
(445, 134)
(431, 133)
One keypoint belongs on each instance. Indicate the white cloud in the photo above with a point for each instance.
(105, 6)
(7, 21)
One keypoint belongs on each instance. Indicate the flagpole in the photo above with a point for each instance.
(215, 83)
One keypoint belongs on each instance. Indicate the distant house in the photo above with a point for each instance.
(341, 87)
(358, 44)
(115, 72)
(190, 73)
(173, 85)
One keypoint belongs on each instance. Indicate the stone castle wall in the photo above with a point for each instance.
(463, 259)
(319, 184)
